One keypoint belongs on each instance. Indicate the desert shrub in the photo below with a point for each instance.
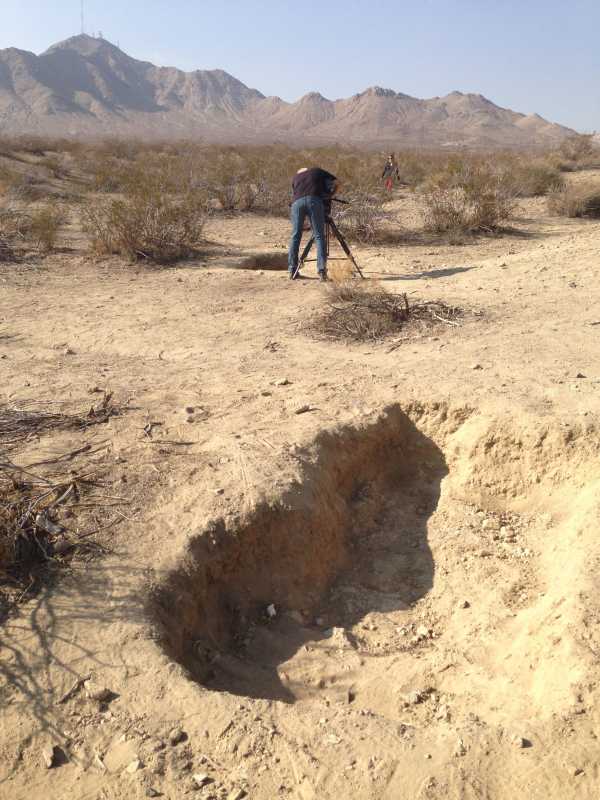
(145, 224)
(363, 219)
(577, 147)
(576, 200)
(467, 199)
(19, 185)
(533, 178)
(45, 224)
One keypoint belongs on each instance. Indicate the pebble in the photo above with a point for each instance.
(476, 366)
(460, 749)
(201, 779)
(176, 735)
(281, 382)
(414, 698)
(302, 409)
(151, 792)
(96, 691)
(464, 604)
(49, 755)
(518, 741)
(134, 766)
(236, 794)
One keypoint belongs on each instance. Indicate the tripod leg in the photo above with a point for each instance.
(304, 256)
(345, 247)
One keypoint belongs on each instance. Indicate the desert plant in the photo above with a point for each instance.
(577, 147)
(363, 219)
(467, 199)
(145, 224)
(533, 178)
(575, 200)
(44, 226)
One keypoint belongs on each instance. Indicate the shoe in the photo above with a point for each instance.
(323, 277)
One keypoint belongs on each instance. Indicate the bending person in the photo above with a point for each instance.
(310, 188)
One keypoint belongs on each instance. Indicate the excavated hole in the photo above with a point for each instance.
(346, 557)
(213, 609)
(268, 261)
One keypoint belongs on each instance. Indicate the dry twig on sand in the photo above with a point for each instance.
(34, 531)
(18, 425)
(365, 313)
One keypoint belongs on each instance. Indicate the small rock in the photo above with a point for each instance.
(423, 632)
(176, 735)
(580, 375)
(190, 418)
(151, 792)
(460, 749)
(490, 524)
(518, 741)
(135, 765)
(281, 382)
(303, 409)
(201, 779)
(50, 755)
(414, 698)
(236, 794)
(577, 771)
(190, 409)
(476, 366)
(266, 393)
(271, 611)
(464, 604)
(219, 491)
(95, 691)
(68, 351)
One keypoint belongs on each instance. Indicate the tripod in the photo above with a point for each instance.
(330, 228)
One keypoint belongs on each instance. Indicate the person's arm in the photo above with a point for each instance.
(331, 184)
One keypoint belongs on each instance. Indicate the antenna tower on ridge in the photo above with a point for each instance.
(82, 19)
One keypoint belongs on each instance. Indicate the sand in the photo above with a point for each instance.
(426, 533)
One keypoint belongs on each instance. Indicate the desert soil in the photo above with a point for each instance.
(411, 564)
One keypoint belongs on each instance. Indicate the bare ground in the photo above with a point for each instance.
(426, 531)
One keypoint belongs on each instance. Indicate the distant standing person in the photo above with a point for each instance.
(310, 187)
(390, 171)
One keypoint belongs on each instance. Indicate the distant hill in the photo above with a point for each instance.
(85, 87)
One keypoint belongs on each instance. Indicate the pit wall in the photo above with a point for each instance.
(289, 553)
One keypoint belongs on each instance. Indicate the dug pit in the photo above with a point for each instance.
(418, 570)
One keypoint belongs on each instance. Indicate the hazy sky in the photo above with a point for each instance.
(528, 55)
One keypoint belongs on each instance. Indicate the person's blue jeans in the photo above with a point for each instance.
(311, 207)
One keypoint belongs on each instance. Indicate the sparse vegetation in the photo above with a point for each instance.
(467, 199)
(45, 224)
(145, 224)
(576, 200)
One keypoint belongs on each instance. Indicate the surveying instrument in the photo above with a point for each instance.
(330, 228)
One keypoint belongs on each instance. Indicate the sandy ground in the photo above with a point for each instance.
(426, 532)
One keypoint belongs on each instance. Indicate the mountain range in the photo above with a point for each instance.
(88, 87)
